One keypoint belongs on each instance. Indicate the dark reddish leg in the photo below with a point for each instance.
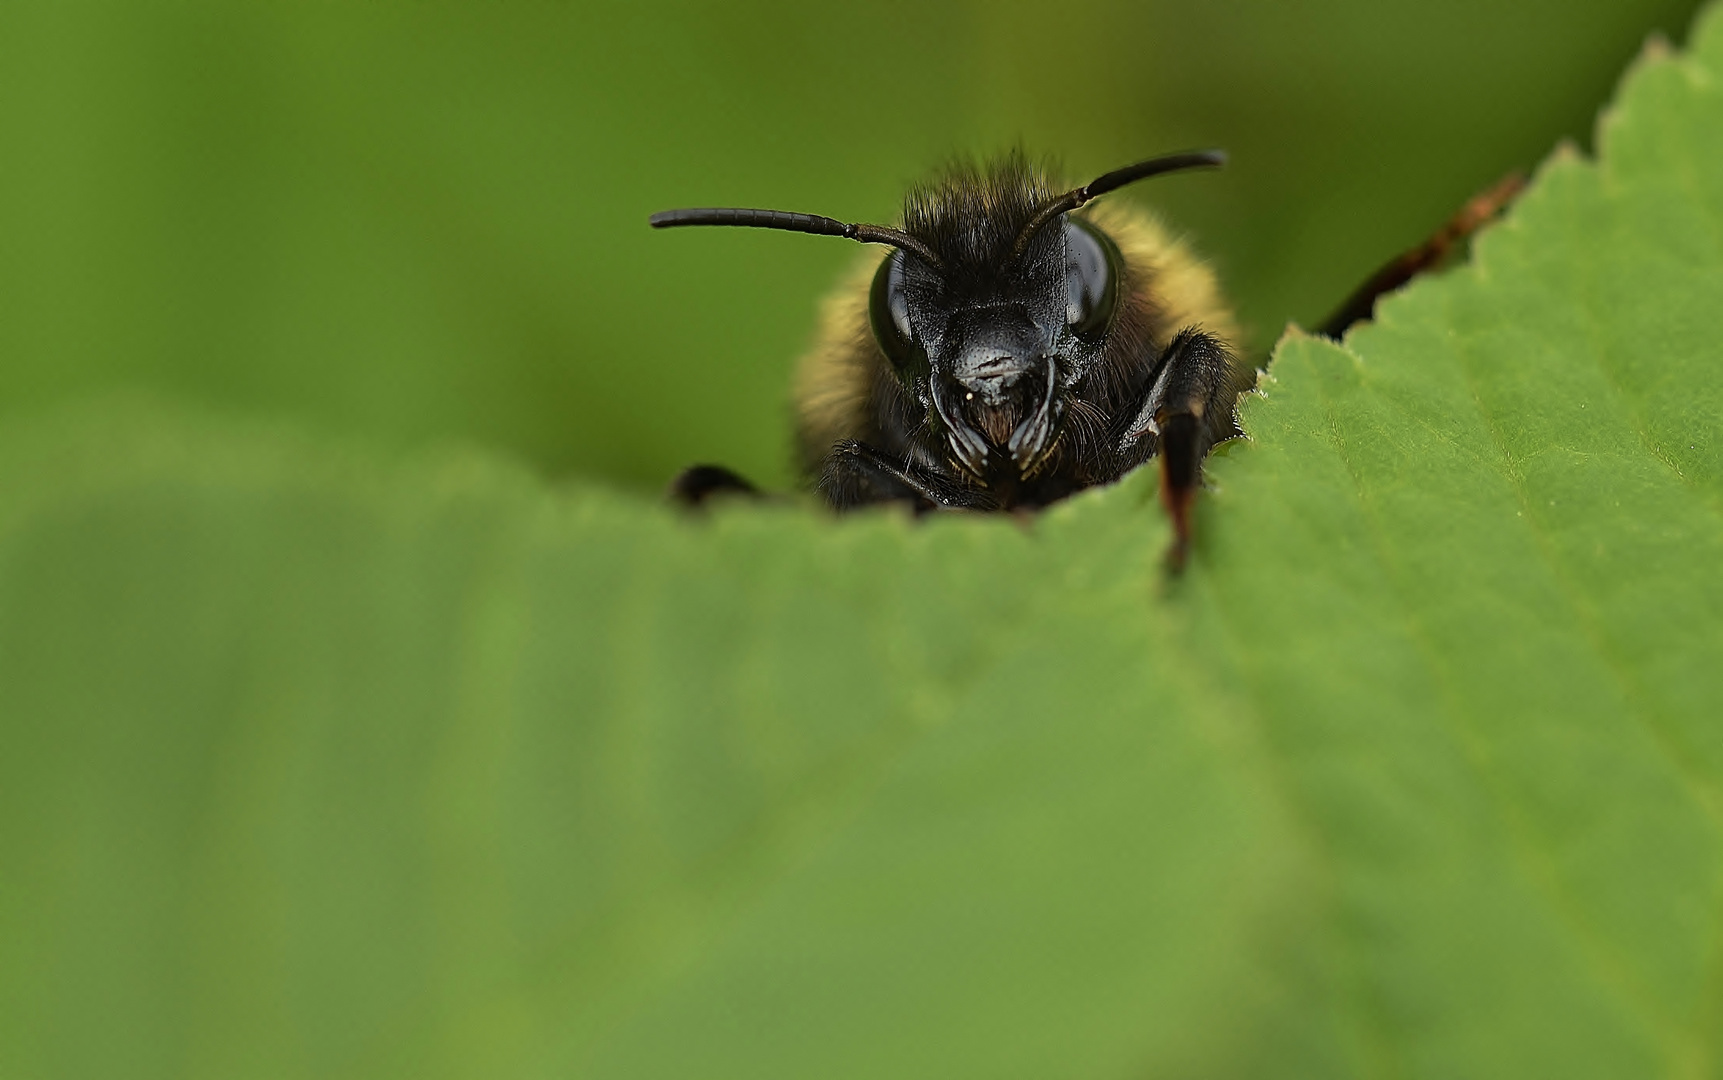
(1182, 447)
(1472, 216)
(1188, 408)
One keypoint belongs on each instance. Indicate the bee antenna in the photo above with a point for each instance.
(1118, 178)
(789, 222)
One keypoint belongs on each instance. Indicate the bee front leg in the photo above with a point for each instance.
(855, 475)
(696, 484)
(1188, 408)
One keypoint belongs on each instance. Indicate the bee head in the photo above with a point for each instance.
(1012, 309)
(996, 301)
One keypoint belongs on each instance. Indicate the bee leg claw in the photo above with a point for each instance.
(1178, 502)
(1183, 443)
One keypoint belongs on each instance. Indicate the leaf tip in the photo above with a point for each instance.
(1656, 48)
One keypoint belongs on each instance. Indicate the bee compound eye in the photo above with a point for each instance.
(1091, 279)
(888, 314)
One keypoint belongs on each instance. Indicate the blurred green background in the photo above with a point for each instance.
(426, 221)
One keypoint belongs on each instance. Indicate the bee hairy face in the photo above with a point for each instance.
(991, 352)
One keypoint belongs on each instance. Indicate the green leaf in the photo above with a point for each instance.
(321, 763)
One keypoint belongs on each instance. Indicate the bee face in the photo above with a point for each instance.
(991, 352)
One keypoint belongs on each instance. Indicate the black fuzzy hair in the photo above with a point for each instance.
(972, 214)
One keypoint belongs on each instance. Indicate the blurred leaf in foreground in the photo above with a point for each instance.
(320, 765)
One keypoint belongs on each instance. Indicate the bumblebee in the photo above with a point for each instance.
(1017, 342)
